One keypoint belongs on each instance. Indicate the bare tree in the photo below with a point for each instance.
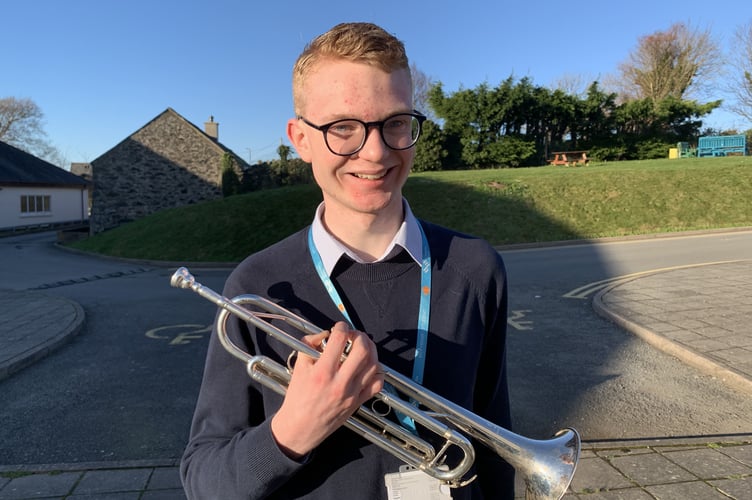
(740, 86)
(21, 125)
(680, 62)
(422, 83)
(574, 84)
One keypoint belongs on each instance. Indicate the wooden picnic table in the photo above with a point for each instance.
(569, 158)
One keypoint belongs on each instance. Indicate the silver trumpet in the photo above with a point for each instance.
(546, 466)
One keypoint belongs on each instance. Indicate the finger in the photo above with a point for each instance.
(373, 383)
(338, 341)
(314, 341)
(362, 364)
(371, 390)
(362, 349)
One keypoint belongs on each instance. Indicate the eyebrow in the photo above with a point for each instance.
(337, 117)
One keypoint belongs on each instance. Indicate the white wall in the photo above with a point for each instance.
(69, 204)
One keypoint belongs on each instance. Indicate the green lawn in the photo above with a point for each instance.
(504, 206)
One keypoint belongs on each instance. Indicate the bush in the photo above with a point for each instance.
(230, 182)
(430, 152)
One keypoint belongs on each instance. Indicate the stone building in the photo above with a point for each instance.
(169, 162)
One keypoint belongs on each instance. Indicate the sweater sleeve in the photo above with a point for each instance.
(496, 477)
(231, 453)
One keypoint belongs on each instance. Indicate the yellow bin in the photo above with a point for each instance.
(673, 153)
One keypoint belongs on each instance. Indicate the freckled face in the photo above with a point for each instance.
(371, 180)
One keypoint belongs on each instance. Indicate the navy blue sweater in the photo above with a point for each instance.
(232, 454)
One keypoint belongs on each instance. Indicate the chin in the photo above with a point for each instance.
(376, 207)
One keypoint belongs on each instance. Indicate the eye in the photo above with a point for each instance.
(397, 123)
(344, 128)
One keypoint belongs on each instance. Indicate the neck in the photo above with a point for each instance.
(367, 235)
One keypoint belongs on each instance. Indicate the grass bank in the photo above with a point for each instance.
(504, 206)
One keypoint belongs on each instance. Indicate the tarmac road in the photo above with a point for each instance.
(570, 367)
(124, 388)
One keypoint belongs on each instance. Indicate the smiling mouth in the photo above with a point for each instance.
(371, 177)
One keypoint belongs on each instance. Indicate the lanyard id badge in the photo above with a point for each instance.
(413, 484)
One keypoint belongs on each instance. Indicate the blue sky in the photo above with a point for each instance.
(101, 69)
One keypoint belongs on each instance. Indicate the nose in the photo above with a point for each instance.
(374, 148)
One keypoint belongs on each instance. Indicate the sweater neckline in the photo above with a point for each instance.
(395, 265)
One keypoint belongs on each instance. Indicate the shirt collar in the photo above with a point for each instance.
(331, 249)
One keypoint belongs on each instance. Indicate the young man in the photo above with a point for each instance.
(432, 302)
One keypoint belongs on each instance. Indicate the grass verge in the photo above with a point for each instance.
(503, 206)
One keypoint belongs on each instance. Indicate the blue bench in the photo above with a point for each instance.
(722, 145)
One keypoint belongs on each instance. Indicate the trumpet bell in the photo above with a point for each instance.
(549, 468)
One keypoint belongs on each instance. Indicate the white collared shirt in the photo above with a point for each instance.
(331, 249)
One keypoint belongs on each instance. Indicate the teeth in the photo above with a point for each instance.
(370, 177)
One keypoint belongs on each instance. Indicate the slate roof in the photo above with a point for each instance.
(202, 134)
(241, 162)
(18, 167)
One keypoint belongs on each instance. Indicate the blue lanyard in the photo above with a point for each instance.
(424, 310)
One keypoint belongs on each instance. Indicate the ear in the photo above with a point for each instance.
(299, 138)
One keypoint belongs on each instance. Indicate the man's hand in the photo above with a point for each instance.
(324, 393)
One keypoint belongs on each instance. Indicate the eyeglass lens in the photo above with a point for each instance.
(345, 137)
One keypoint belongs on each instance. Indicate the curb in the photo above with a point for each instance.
(149, 262)
(672, 442)
(33, 354)
(601, 445)
(86, 466)
(727, 375)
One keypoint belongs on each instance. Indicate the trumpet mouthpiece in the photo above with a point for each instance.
(182, 278)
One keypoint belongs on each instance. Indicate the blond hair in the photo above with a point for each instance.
(356, 42)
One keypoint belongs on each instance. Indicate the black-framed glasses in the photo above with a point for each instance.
(348, 136)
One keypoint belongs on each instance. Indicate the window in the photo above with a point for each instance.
(35, 204)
